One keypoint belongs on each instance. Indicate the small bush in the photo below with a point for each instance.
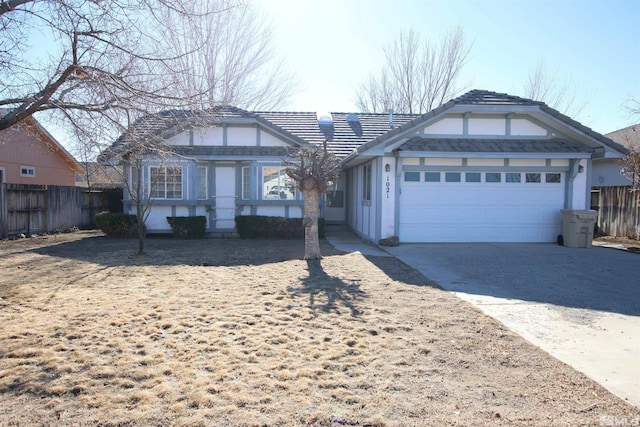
(117, 224)
(188, 227)
(270, 227)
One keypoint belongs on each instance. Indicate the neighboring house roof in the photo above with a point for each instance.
(487, 101)
(100, 176)
(629, 136)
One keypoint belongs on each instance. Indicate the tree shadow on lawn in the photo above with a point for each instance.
(165, 251)
(319, 285)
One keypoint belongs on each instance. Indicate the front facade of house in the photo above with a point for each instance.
(484, 167)
(30, 155)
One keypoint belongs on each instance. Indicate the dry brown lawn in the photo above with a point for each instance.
(245, 333)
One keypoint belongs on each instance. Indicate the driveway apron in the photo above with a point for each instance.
(582, 306)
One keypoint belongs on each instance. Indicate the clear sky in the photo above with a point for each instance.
(334, 44)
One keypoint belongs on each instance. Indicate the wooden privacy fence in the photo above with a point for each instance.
(618, 211)
(31, 209)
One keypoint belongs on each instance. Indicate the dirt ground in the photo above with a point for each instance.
(245, 333)
(630, 245)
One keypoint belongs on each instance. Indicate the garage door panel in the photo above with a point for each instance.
(486, 212)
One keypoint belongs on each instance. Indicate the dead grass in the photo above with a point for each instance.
(244, 333)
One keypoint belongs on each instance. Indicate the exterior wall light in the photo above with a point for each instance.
(387, 167)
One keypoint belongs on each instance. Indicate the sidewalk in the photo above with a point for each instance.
(346, 240)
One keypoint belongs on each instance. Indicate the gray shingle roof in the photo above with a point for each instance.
(231, 151)
(343, 136)
(485, 97)
(455, 145)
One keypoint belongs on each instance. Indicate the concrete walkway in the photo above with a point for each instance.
(582, 306)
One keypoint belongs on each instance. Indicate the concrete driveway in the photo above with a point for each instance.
(580, 305)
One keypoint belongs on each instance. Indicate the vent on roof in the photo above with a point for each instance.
(324, 118)
(354, 123)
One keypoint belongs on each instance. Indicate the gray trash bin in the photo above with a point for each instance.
(577, 227)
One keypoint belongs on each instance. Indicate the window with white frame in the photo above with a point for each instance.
(366, 182)
(202, 182)
(27, 171)
(246, 183)
(276, 184)
(165, 182)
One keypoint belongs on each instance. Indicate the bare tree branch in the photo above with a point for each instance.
(557, 92)
(417, 76)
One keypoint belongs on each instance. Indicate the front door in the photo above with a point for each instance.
(225, 197)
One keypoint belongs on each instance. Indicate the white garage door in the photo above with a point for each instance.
(481, 206)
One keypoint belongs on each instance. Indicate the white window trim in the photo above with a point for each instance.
(29, 168)
(3, 175)
(206, 182)
(246, 182)
(182, 182)
(281, 173)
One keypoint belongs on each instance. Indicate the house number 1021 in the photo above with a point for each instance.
(388, 184)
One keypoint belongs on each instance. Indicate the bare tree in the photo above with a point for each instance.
(313, 171)
(143, 140)
(229, 58)
(104, 55)
(630, 168)
(560, 93)
(417, 75)
(632, 106)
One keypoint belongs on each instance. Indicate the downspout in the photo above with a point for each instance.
(398, 191)
(571, 176)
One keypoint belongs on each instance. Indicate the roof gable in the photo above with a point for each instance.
(487, 102)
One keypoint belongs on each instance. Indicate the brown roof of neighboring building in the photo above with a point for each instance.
(629, 136)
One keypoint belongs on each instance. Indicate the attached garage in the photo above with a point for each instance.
(483, 167)
(481, 206)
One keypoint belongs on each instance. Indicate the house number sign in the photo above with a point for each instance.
(388, 184)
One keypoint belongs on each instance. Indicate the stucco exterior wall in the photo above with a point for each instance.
(19, 147)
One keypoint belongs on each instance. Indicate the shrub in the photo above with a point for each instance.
(266, 227)
(117, 224)
(188, 227)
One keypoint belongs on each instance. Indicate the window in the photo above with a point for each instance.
(552, 178)
(432, 176)
(28, 171)
(166, 182)
(246, 183)
(366, 183)
(512, 177)
(452, 177)
(472, 177)
(276, 184)
(533, 177)
(493, 177)
(412, 176)
(202, 182)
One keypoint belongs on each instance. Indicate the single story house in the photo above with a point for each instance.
(484, 167)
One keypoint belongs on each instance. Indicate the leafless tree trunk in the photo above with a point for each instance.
(417, 75)
(313, 171)
(557, 92)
